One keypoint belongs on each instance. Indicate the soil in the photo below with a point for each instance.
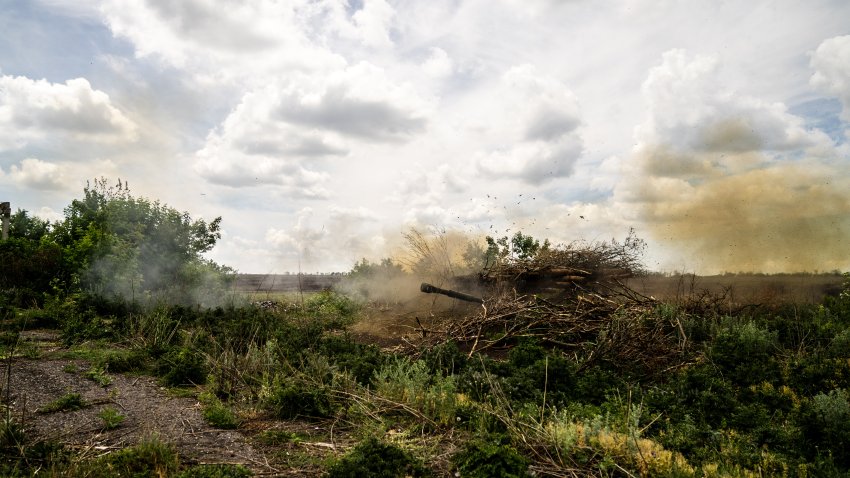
(149, 410)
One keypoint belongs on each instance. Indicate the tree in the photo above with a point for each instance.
(123, 245)
(24, 226)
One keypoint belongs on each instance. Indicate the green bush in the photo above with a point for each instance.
(825, 424)
(373, 458)
(218, 414)
(490, 459)
(182, 366)
(744, 353)
(287, 397)
(361, 361)
(215, 471)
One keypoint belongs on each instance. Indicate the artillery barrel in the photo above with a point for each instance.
(431, 289)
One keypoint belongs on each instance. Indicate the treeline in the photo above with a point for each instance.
(111, 245)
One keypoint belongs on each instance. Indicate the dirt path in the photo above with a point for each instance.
(147, 408)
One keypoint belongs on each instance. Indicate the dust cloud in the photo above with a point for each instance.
(738, 211)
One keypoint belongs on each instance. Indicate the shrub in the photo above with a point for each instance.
(371, 457)
(217, 413)
(288, 397)
(744, 353)
(490, 459)
(183, 366)
(215, 471)
(361, 361)
(411, 383)
(825, 424)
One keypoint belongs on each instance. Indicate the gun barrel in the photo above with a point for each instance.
(431, 289)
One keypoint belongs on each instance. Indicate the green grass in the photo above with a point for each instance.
(68, 402)
(111, 418)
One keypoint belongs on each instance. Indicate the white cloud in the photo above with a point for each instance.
(540, 140)
(831, 62)
(731, 180)
(283, 133)
(438, 64)
(696, 126)
(37, 174)
(37, 110)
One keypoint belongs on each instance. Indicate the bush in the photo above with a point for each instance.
(361, 361)
(825, 424)
(287, 397)
(217, 413)
(373, 458)
(183, 366)
(490, 459)
(744, 353)
(215, 471)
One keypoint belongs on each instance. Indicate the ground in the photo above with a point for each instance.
(151, 410)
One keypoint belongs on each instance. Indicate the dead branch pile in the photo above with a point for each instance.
(563, 268)
(622, 331)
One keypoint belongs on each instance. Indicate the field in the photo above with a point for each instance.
(741, 289)
(126, 353)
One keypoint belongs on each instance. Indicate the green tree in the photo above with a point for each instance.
(124, 246)
(24, 226)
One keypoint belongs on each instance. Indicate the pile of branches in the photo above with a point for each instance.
(594, 265)
(623, 331)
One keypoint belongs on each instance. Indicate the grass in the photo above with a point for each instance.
(111, 418)
(98, 375)
(68, 402)
(763, 390)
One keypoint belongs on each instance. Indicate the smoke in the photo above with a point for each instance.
(734, 183)
(784, 217)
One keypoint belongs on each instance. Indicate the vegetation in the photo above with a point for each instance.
(754, 391)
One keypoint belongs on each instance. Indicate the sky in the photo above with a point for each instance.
(322, 130)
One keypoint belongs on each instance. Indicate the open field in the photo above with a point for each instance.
(741, 289)
(286, 282)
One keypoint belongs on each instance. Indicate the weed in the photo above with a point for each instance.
(410, 383)
(67, 402)
(215, 471)
(279, 437)
(289, 397)
(371, 457)
(183, 366)
(111, 418)
(150, 458)
(70, 368)
(98, 375)
(217, 413)
(490, 459)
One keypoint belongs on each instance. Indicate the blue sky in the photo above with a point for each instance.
(322, 130)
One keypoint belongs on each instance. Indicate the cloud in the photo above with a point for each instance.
(360, 101)
(38, 174)
(733, 181)
(38, 110)
(236, 43)
(287, 132)
(831, 62)
(541, 141)
(438, 64)
(689, 111)
(336, 236)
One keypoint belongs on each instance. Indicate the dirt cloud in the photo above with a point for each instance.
(782, 217)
